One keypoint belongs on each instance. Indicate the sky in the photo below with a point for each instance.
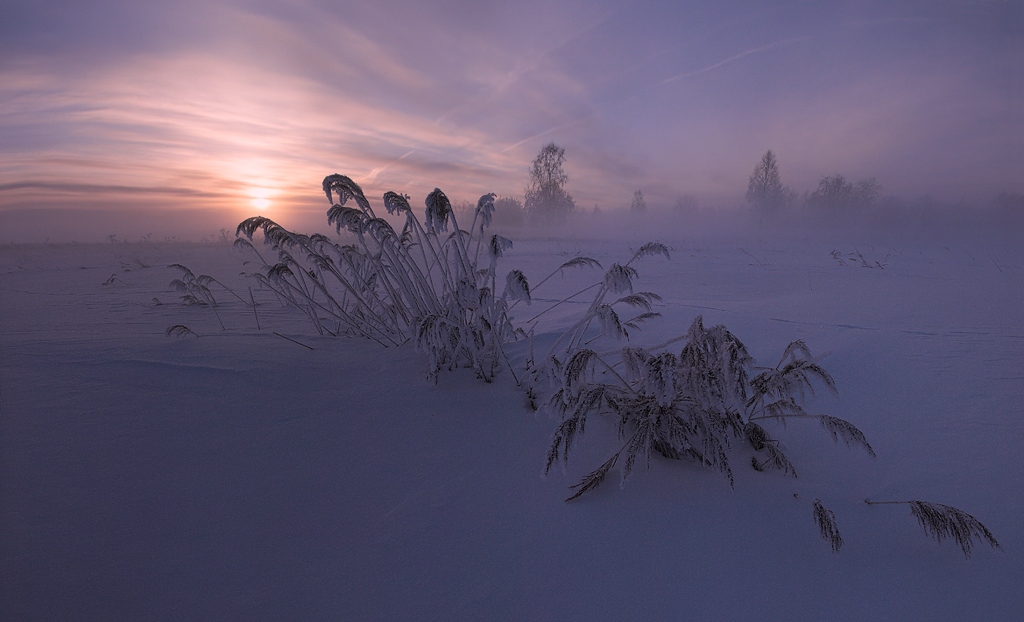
(237, 108)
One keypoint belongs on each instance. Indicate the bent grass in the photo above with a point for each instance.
(421, 283)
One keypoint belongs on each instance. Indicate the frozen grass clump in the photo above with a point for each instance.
(421, 283)
(703, 404)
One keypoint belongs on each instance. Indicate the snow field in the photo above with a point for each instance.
(239, 475)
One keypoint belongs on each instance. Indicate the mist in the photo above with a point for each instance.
(1000, 218)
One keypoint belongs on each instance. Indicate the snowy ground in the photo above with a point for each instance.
(239, 475)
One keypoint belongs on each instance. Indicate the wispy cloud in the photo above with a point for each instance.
(199, 105)
(732, 59)
(547, 132)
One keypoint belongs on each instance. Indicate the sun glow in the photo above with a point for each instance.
(260, 198)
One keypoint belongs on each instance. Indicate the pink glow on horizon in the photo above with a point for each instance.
(407, 98)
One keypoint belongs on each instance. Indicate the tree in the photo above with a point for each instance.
(835, 193)
(764, 190)
(508, 212)
(547, 202)
(638, 204)
(867, 191)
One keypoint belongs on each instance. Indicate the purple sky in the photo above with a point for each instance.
(246, 106)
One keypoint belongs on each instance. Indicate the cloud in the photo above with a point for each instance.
(77, 188)
(196, 105)
(734, 58)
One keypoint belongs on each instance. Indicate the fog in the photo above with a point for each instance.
(890, 218)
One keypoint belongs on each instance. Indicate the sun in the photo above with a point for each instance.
(261, 198)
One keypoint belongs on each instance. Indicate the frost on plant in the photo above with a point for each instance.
(195, 290)
(422, 283)
(826, 521)
(700, 405)
(945, 521)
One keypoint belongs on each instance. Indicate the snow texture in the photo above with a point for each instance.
(235, 474)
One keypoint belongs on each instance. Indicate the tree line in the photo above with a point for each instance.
(766, 192)
(547, 202)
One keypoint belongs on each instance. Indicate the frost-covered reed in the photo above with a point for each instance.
(421, 283)
(692, 405)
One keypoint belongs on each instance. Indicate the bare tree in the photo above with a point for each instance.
(547, 202)
(836, 193)
(867, 191)
(764, 190)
